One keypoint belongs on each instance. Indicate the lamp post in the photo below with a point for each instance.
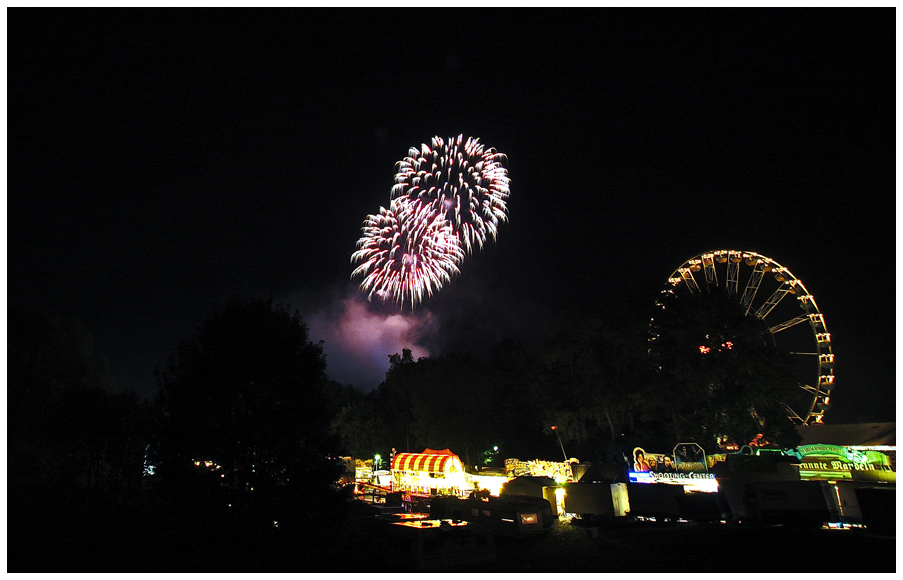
(555, 429)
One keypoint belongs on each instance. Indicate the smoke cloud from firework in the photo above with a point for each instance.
(358, 338)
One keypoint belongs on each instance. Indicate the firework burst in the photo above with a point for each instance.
(406, 252)
(448, 199)
(460, 180)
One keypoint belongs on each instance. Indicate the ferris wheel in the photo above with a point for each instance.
(798, 329)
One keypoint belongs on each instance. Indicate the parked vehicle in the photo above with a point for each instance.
(792, 503)
(506, 516)
(596, 502)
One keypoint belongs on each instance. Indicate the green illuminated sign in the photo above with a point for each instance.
(822, 461)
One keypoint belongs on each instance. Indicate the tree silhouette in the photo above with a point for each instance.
(454, 406)
(244, 422)
(514, 375)
(357, 427)
(68, 429)
(75, 447)
(455, 400)
(718, 373)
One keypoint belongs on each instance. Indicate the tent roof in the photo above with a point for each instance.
(429, 451)
(432, 462)
(849, 434)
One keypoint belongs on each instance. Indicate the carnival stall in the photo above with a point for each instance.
(429, 473)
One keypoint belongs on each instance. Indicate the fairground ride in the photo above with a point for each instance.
(763, 288)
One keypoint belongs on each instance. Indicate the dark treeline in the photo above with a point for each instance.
(599, 379)
(231, 462)
(232, 466)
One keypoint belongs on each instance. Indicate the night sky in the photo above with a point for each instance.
(160, 162)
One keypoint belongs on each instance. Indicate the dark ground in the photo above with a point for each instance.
(694, 548)
(645, 546)
(168, 542)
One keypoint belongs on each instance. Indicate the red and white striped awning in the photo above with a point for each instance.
(430, 462)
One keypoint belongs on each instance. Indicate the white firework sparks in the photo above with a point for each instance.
(461, 180)
(448, 199)
(406, 252)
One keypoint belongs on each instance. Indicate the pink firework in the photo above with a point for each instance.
(462, 181)
(406, 252)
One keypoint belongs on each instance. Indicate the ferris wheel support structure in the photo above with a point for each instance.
(701, 274)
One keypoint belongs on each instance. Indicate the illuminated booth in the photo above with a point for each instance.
(842, 474)
(433, 472)
(557, 470)
(864, 452)
(687, 466)
(858, 464)
(674, 486)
